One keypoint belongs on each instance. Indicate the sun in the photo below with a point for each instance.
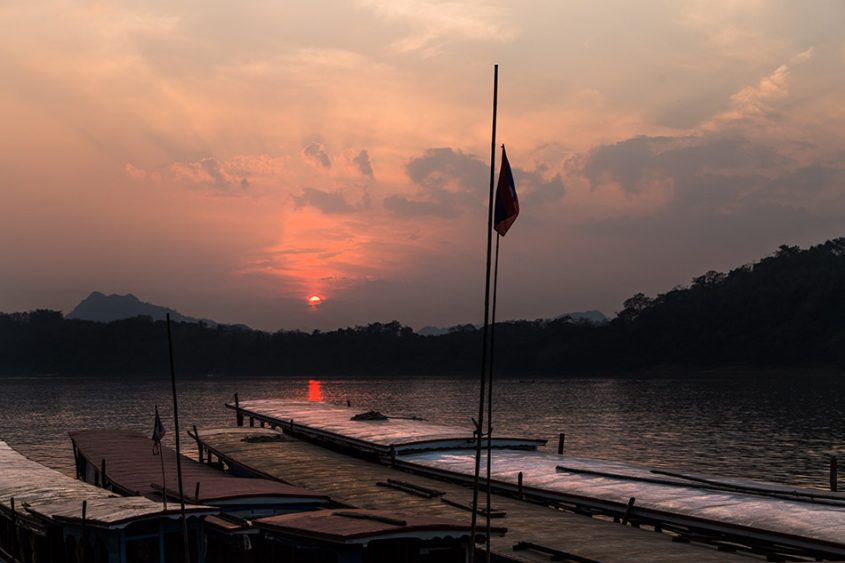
(314, 300)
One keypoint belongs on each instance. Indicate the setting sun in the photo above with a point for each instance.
(315, 300)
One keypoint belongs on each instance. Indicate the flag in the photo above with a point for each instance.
(158, 432)
(507, 204)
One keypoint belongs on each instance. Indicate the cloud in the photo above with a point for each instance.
(535, 189)
(435, 23)
(315, 153)
(451, 180)
(756, 101)
(140, 174)
(633, 164)
(209, 171)
(443, 167)
(362, 163)
(331, 203)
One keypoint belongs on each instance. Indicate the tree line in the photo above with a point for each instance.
(786, 309)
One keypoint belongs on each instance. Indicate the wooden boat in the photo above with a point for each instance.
(359, 536)
(372, 433)
(46, 516)
(751, 513)
(261, 519)
(124, 462)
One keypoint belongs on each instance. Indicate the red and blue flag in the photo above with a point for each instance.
(507, 204)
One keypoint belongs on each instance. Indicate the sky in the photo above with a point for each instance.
(233, 159)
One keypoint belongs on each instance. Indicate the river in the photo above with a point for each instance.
(775, 427)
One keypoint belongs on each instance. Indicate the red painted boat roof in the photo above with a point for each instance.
(355, 525)
(132, 466)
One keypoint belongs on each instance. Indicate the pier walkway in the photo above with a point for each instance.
(360, 483)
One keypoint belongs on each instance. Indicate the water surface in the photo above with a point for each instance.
(778, 428)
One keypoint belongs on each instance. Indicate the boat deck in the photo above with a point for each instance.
(798, 518)
(360, 483)
(45, 494)
(388, 435)
(131, 467)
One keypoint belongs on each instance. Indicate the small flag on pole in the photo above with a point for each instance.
(507, 204)
(158, 432)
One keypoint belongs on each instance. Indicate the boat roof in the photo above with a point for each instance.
(772, 509)
(361, 526)
(400, 434)
(132, 466)
(45, 494)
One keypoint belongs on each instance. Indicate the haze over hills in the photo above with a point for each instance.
(107, 308)
(592, 316)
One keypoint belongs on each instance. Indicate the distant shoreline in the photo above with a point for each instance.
(661, 372)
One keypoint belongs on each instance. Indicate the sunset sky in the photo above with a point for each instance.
(232, 159)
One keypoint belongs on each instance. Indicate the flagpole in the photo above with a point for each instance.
(482, 383)
(178, 455)
(490, 389)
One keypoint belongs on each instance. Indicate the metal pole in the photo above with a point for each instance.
(178, 461)
(490, 392)
(482, 384)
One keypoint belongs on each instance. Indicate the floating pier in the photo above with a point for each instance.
(734, 514)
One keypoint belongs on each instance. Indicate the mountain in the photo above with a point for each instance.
(107, 308)
(592, 316)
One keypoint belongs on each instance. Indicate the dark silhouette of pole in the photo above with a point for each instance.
(490, 392)
(178, 455)
(482, 384)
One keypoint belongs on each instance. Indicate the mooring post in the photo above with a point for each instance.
(14, 547)
(239, 417)
(628, 509)
(84, 535)
(519, 485)
(199, 444)
(834, 474)
(561, 438)
(348, 403)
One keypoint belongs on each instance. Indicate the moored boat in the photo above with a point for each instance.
(46, 516)
(765, 516)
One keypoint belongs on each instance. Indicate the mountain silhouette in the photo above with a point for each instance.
(107, 308)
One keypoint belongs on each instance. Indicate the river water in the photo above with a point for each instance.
(773, 427)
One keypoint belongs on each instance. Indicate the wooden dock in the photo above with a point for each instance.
(544, 533)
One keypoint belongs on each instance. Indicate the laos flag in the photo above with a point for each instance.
(507, 204)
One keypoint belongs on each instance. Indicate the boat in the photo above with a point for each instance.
(766, 516)
(263, 519)
(363, 536)
(48, 516)
(124, 462)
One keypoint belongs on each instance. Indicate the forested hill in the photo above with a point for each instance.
(786, 309)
